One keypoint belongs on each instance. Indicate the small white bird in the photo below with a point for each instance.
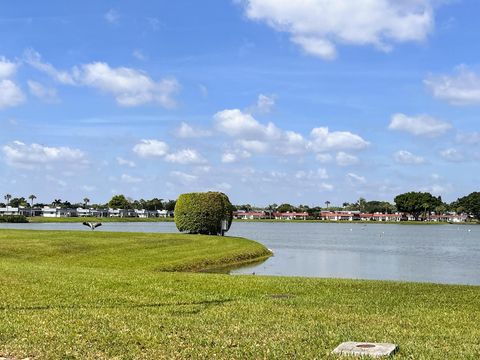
(92, 225)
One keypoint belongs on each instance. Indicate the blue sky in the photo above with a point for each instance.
(266, 100)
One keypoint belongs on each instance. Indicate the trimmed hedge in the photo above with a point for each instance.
(202, 213)
(13, 219)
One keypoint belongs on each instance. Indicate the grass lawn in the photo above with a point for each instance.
(97, 295)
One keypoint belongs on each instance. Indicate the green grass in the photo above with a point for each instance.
(96, 295)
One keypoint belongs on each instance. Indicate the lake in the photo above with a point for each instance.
(448, 254)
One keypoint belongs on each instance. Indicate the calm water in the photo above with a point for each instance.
(440, 254)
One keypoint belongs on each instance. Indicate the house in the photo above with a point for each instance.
(340, 215)
(451, 218)
(164, 213)
(57, 212)
(81, 212)
(251, 215)
(291, 216)
(381, 217)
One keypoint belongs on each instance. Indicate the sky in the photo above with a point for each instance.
(269, 101)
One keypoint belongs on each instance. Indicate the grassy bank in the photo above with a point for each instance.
(88, 295)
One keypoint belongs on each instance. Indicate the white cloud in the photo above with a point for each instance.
(318, 25)
(112, 16)
(186, 131)
(234, 156)
(326, 186)
(406, 157)
(150, 148)
(7, 68)
(452, 155)
(265, 103)
(122, 161)
(419, 125)
(461, 88)
(130, 87)
(34, 59)
(130, 179)
(10, 94)
(345, 159)
(42, 92)
(56, 180)
(186, 156)
(26, 156)
(236, 123)
(324, 140)
(354, 179)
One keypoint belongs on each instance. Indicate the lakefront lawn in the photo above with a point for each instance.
(100, 295)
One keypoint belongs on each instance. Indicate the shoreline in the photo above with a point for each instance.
(39, 220)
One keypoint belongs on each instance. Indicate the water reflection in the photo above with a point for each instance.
(441, 254)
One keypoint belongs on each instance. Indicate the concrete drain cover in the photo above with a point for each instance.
(365, 349)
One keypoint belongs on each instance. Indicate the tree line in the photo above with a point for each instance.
(116, 202)
(418, 204)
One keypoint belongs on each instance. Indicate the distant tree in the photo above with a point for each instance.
(245, 207)
(56, 202)
(32, 198)
(286, 208)
(378, 207)
(416, 203)
(7, 197)
(327, 203)
(85, 202)
(470, 204)
(119, 202)
(154, 204)
(169, 205)
(16, 202)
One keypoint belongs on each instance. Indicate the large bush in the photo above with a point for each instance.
(202, 213)
(13, 219)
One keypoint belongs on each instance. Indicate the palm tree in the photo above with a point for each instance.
(7, 198)
(327, 203)
(86, 201)
(32, 197)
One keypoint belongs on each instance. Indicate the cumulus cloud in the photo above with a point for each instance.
(7, 68)
(461, 88)
(186, 131)
(19, 154)
(419, 125)
(452, 155)
(345, 159)
(42, 92)
(323, 140)
(186, 156)
(255, 137)
(317, 26)
(10, 94)
(406, 157)
(323, 158)
(150, 148)
(130, 87)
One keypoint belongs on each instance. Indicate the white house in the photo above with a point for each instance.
(57, 212)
